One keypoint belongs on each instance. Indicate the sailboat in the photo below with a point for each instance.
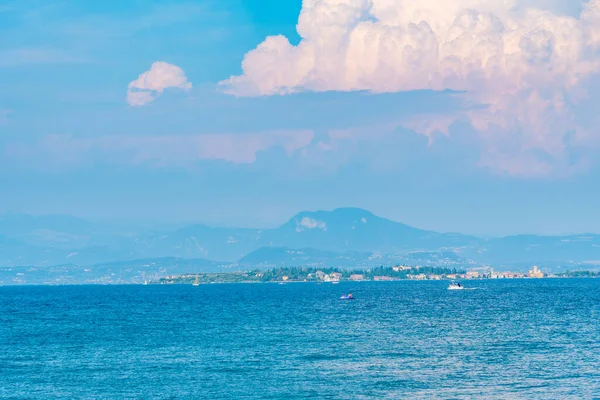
(196, 282)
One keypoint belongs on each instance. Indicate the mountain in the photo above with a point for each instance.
(278, 256)
(200, 241)
(349, 234)
(268, 257)
(355, 229)
(45, 230)
(134, 271)
(538, 249)
(340, 230)
(68, 232)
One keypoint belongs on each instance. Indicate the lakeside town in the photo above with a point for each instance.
(334, 275)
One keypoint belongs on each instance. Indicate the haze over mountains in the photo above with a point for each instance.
(346, 237)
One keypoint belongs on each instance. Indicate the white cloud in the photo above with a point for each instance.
(139, 98)
(310, 223)
(529, 67)
(153, 82)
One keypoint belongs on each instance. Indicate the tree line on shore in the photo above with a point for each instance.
(313, 274)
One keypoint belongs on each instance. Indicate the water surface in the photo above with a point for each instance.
(506, 339)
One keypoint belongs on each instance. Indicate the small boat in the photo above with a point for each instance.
(347, 297)
(335, 282)
(196, 282)
(455, 286)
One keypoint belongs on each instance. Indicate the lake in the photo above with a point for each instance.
(502, 339)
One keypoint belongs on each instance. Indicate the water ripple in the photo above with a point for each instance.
(507, 339)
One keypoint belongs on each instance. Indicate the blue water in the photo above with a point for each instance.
(506, 339)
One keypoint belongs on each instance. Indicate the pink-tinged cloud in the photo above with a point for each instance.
(182, 151)
(153, 82)
(528, 67)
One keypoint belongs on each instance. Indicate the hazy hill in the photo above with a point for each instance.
(284, 256)
(355, 229)
(348, 234)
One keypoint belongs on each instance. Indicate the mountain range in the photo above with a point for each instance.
(342, 237)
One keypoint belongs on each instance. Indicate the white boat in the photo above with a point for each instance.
(196, 282)
(455, 286)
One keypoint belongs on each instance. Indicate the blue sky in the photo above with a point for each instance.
(217, 141)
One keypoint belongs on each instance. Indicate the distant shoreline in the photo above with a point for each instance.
(366, 281)
(158, 283)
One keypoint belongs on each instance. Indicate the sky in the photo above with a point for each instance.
(473, 116)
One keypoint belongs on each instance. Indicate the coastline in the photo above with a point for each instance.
(368, 281)
(283, 283)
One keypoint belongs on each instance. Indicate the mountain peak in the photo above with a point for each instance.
(338, 213)
(352, 212)
(323, 220)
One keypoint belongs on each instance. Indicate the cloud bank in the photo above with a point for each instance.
(157, 151)
(526, 67)
(151, 84)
